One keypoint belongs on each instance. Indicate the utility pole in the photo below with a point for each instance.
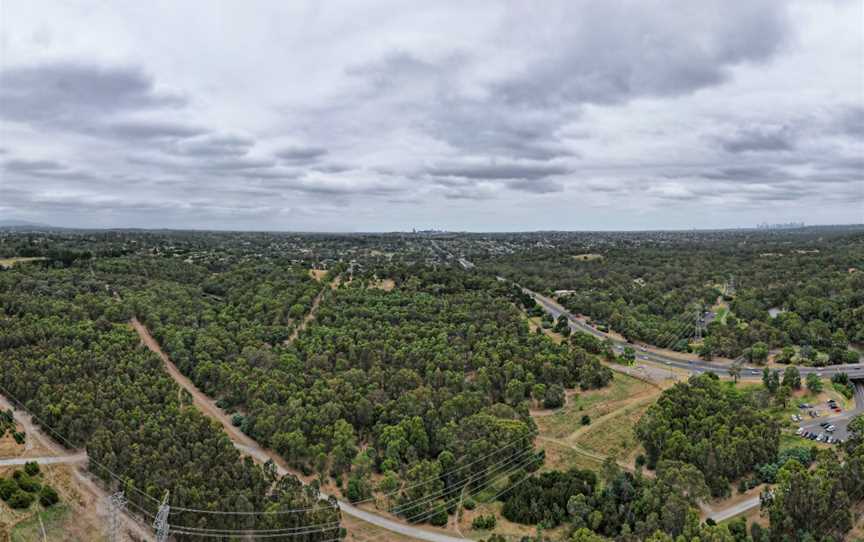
(116, 505)
(160, 524)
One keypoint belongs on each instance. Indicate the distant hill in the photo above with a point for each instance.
(16, 223)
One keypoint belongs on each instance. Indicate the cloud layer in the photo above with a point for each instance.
(487, 116)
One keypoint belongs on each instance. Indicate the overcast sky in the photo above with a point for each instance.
(366, 116)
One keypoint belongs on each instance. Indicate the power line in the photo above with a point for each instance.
(423, 516)
(440, 493)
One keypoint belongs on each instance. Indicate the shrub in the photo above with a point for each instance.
(439, 517)
(237, 420)
(469, 504)
(7, 488)
(25, 482)
(31, 468)
(586, 419)
(484, 523)
(21, 500)
(48, 496)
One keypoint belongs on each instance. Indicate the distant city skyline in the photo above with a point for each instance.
(386, 116)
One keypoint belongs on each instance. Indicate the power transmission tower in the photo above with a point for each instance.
(116, 505)
(160, 524)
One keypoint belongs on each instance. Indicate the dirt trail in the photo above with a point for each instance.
(250, 447)
(33, 431)
(205, 404)
(309, 316)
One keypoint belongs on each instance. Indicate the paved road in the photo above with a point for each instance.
(50, 460)
(697, 365)
(687, 362)
(734, 510)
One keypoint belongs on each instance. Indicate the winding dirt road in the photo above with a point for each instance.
(250, 447)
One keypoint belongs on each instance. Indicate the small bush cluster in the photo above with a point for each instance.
(24, 487)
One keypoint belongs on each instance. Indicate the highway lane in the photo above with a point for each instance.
(692, 363)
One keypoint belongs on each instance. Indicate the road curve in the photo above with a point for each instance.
(694, 363)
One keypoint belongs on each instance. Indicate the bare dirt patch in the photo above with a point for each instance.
(318, 274)
(385, 284)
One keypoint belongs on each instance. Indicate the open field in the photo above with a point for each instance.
(614, 435)
(622, 391)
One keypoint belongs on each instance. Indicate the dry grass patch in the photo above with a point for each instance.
(562, 457)
(360, 531)
(385, 284)
(594, 403)
(74, 519)
(587, 257)
(318, 274)
(9, 262)
(614, 436)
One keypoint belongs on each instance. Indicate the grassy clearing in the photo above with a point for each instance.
(318, 274)
(615, 435)
(594, 403)
(58, 521)
(385, 284)
(9, 262)
(360, 531)
(561, 457)
(587, 257)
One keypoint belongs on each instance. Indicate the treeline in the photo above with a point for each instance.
(70, 355)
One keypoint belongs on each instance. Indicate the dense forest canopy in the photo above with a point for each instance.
(403, 371)
(69, 354)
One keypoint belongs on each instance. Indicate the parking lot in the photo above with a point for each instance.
(826, 417)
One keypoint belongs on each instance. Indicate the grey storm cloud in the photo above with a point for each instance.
(25, 166)
(301, 154)
(492, 171)
(70, 92)
(850, 121)
(759, 139)
(213, 145)
(539, 186)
